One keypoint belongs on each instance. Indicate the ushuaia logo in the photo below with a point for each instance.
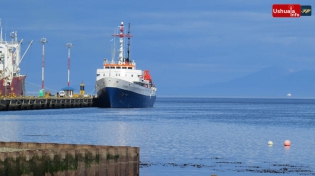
(306, 10)
(286, 10)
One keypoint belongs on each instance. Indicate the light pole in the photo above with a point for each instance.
(43, 41)
(69, 45)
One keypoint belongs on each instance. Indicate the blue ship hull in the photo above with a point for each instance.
(120, 98)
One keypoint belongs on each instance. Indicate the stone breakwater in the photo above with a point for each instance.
(20, 158)
(4, 149)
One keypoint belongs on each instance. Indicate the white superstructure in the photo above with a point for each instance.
(10, 57)
(124, 69)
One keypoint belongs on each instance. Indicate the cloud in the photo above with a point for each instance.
(204, 27)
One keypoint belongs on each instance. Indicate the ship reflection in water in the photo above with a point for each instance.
(74, 160)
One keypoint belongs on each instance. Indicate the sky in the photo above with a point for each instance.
(181, 42)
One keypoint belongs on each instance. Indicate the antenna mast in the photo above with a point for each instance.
(128, 58)
(121, 43)
(121, 35)
(43, 41)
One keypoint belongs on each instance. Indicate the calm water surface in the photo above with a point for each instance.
(186, 136)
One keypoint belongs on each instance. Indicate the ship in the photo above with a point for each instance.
(12, 83)
(119, 84)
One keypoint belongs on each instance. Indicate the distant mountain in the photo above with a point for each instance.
(269, 82)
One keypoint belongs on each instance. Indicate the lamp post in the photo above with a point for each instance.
(69, 45)
(43, 41)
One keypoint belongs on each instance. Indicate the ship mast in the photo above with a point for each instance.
(121, 35)
(128, 58)
(121, 43)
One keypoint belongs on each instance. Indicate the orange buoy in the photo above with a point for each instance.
(287, 143)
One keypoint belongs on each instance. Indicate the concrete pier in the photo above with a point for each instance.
(21, 158)
(30, 103)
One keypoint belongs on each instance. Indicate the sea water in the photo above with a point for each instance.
(186, 136)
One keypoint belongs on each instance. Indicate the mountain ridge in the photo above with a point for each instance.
(274, 81)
